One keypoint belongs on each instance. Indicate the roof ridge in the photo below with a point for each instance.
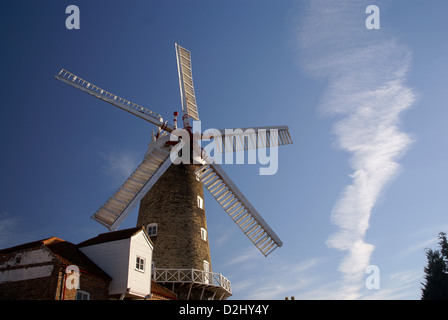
(111, 236)
(51, 240)
(31, 244)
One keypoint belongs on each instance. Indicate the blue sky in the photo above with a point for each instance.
(363, 184)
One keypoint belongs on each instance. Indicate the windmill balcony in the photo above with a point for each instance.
(210, 281)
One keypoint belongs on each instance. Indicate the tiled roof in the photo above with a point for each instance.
(112, 236)
(69, 254)
(161, 290)
(29, 245)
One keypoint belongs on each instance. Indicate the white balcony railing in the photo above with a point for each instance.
(192, 276)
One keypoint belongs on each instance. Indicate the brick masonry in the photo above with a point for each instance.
(172, 204)
(44, 286)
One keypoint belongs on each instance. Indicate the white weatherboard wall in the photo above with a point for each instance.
(117, 258)
(140, 282)
(112, 257)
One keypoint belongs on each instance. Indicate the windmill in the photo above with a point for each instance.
(169, 183)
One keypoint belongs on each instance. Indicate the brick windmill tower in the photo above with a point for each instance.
(169, 183)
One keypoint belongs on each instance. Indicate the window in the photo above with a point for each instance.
(203, 234)
(151, 229)
(140, 264)
(200, 202)
(82, 295)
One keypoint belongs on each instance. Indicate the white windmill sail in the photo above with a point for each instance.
(232, 140)
(122, 202)
(187, 95)
(83, 85)
(238, 208)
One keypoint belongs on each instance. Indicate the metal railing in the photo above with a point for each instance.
(192, 276)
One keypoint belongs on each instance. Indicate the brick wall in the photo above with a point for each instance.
(33, 289)
(98, 288)
(172, 203)
(28, 273)
(34, 273)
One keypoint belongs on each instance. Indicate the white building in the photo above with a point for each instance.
(126, 256)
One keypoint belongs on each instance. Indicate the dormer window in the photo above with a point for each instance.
(151, 229)
(140, 264)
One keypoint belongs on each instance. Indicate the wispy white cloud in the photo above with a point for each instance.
(249, 255)
(119, 165)
(279, 278)
(396, 286)
(419, 246)
(284, 280)
(224, 236)
(311, 279)
(365, 72)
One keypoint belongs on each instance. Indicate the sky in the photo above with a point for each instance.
(363, 186)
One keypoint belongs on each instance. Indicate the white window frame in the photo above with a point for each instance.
(200, 202)
(82, 295)
(140, 263)
(150, 231)
(203, 234)
(207, 274)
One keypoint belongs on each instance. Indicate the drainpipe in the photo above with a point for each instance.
(124, 294)
(64, 278)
